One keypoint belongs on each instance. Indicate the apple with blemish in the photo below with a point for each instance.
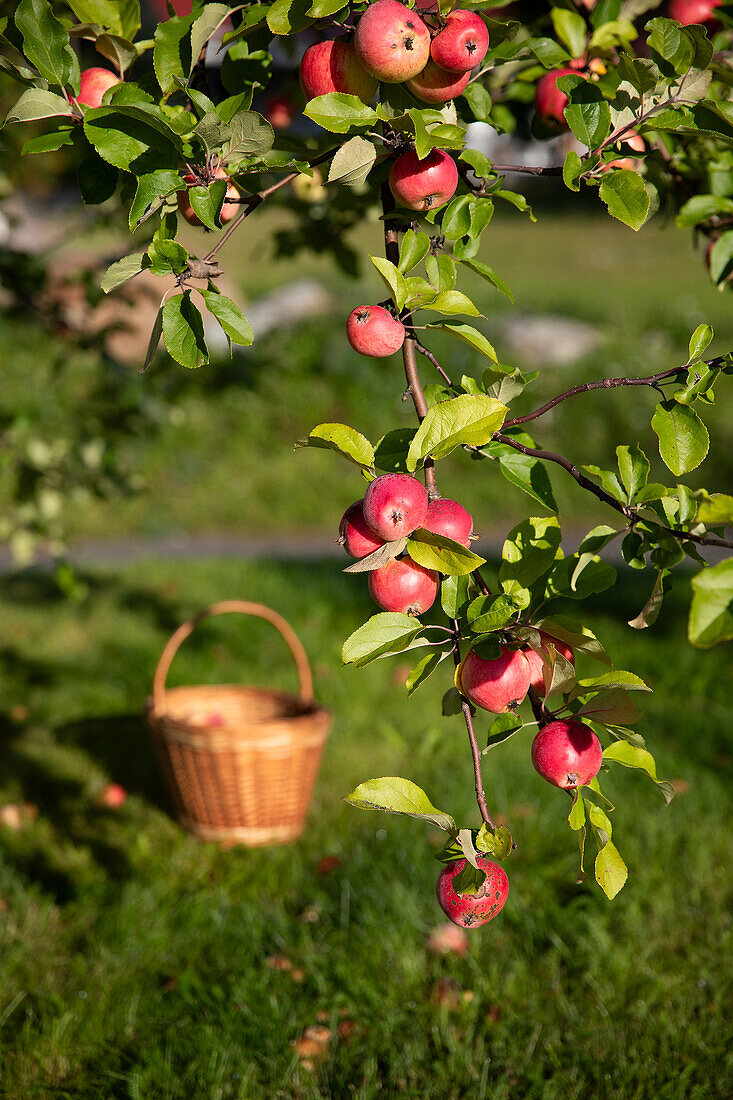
(392, 42)
(436, 85)
(94, 83)
(567, 754)
(536, 663)
(496, 685)
(423, 184)
(449, 518)
(373, 330)
(333, 66)
(472, 910)
(404, 586)
(462, 43)
(355, 534)
(395, 505)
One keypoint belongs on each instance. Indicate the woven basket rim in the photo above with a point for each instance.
(303, 711)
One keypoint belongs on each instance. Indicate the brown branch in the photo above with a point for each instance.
(627, 510)
(475, 752)
(652, 380)
(253, 201)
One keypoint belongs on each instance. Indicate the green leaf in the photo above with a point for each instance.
(501, 729)
(579, 637)
(572, 170)
(494, 842)
(631, 756)
(699, 340)
(626, 197)
(466, 334)
(716, 510)
(439, 552)
(452, 302)
(119, 16)
(468, 419)
(721, 257)
(49, 143)
(650, 611)
(183, 331)
(338, 112)
(618, 678)
(393, 279)
(529, 551)
(419, 674)
(152, 188)
(211, 17)
(634, 468)
(452, 703)
(454, 595)
(252, 135)
(343, 439)
(526, 473)
(46, 44)
(670, 44)
(172, 52)
(207, 202)
(565, 580)
(97, 180)
(118, 50)
(134, 138)
(594, 541)
(613, 705)
(35, 104)
(570, 28)
(587, 114)
(388, 632)
(390, 453)
(489, 613)
(230, 317)
(353, 162)
(711, 611)
(123, 270)
(414, 247)
(486, 272)
(611, 871)
(456, 220)
(287, 16)
(469, 880)
(576, 817)
(700, 208)
(400, 796)
(683, 438)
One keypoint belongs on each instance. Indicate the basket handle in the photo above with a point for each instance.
(243, 607)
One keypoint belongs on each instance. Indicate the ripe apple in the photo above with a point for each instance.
(229, 210)
(472, 910)
(536, 664)
(462, 43)
(567, 754)
(634, 141)
(113, 796)
(423, 184)
(498, 685)
(550, 102)
(334, 67)
(392, 42)
(94, 83)
(355, 534)
(403, 585)
(694, 11)
(372, 330)
(280, 111)
(436, 85)
(449, 518)
(395, 505)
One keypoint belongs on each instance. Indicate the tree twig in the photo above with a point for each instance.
(475, 751)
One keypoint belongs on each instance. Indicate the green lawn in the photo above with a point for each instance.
(134, 959)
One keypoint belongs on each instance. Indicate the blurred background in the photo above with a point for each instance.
(139, 962)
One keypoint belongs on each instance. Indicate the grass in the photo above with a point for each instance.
(135, 959)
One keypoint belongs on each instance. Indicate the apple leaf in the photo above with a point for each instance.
(466, 420)
(683, 438)
(387, 632)
(344, 440)
(633, 756)
(395, 795)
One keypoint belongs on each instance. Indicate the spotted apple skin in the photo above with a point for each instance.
(473, 910)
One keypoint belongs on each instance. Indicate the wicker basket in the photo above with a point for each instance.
(240, 762)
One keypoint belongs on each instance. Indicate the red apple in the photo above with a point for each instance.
(462, 43)
(94, 83)
(436, 85)
(280, 111)
(334, 67)
(498, 685)
(536, 664)
(403, 585)
(113, 796)
(567, 754)
(687, 12)
(355, 534)
(550, 102)
(634, 141)
(229, 210)
(423, 184)
(395, 505)
(449, 518)
(392, 42)
(472, 910)
(372, 330)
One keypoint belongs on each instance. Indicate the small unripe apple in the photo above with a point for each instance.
(403, 585)
(536, 664)
(472, 910)
(355, 534)
(309, 188)
(567, 754)
(436, 85)
(372, 330)
(94, 83)
(229, 210)
(687, 12)
(462, 43)
(334, 67)
(498, 685)
(634, 141)
(280, 111)
(449, 518)
(423, 184)
(395, 505)
(392, 42)
(550, 102)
